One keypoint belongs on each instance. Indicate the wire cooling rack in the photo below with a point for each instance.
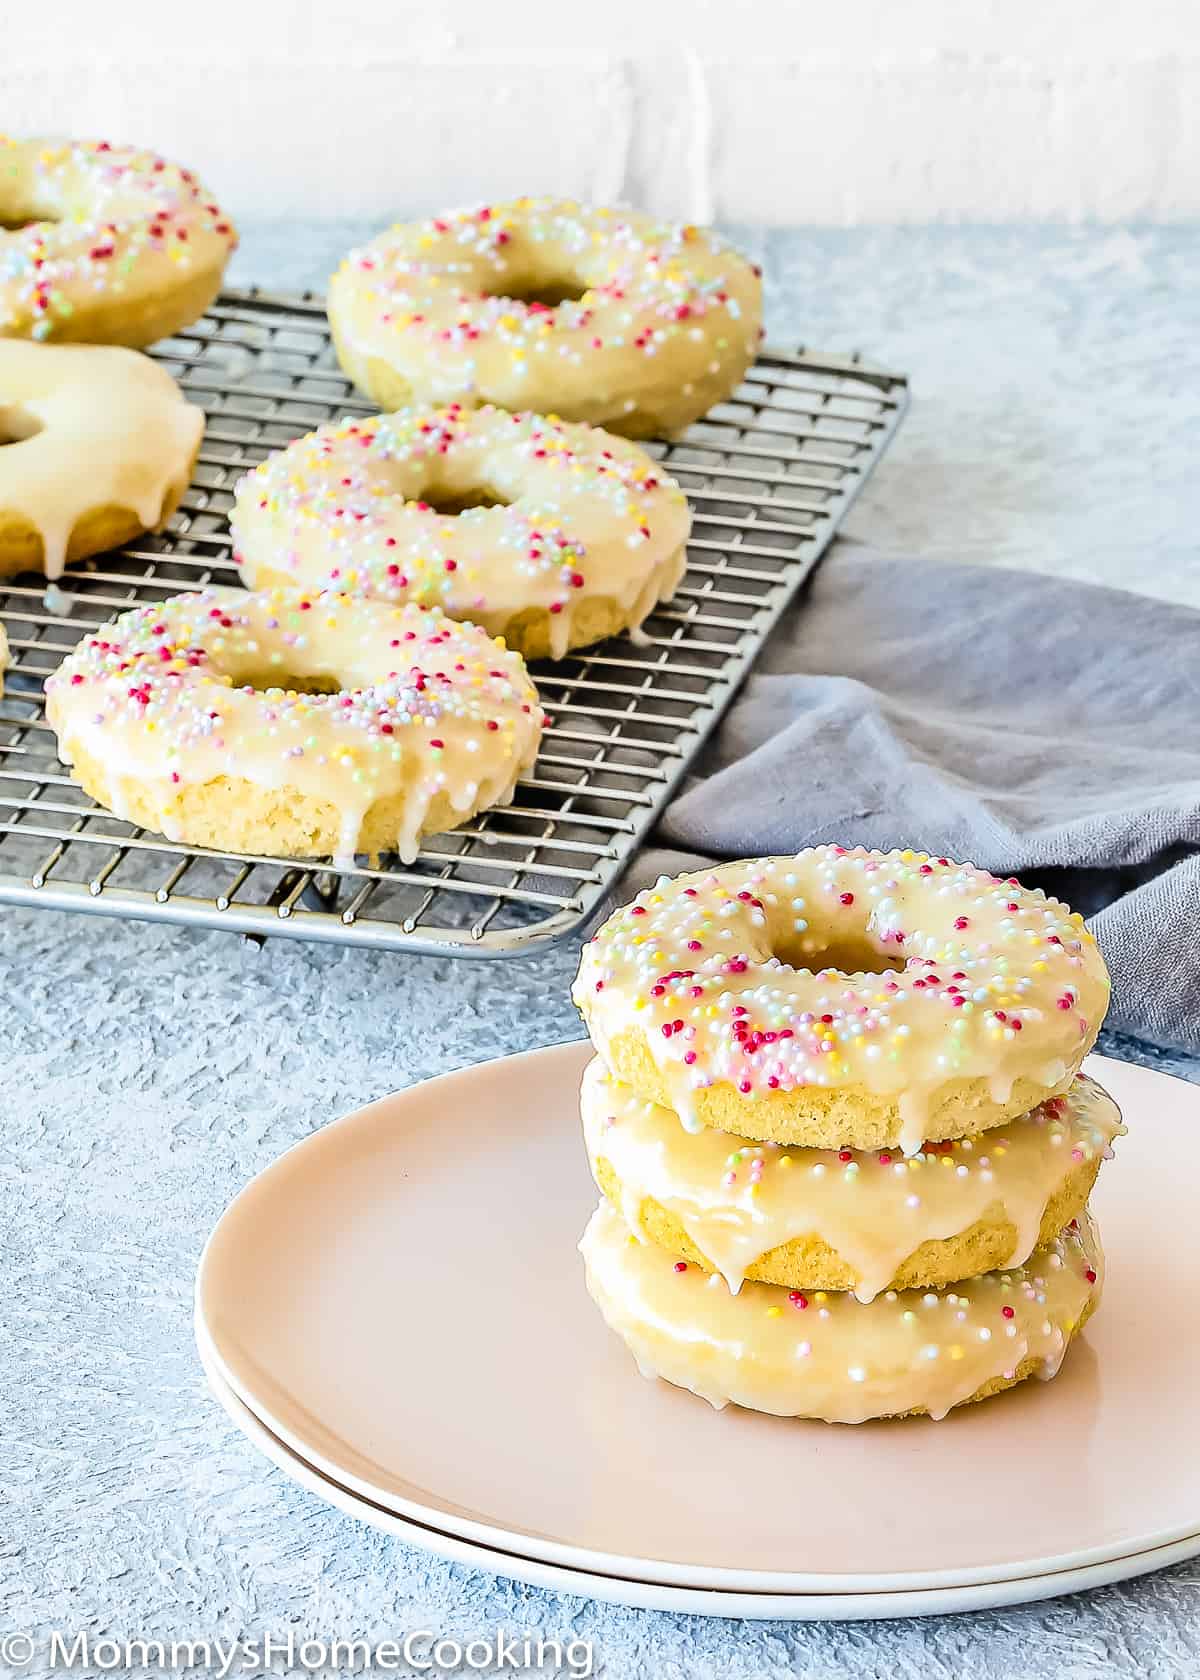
(769, 475)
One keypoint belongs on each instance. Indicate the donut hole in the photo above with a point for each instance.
(294, 682)
(446, 487)
(451, 503)
(547, 291)
(843, 952)
(16, 216)
(17, 424)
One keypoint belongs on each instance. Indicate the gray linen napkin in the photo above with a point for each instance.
(1035, 726)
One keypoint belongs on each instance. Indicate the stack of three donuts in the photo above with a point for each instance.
(778, 1041)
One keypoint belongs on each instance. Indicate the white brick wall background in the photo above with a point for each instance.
(777, 111)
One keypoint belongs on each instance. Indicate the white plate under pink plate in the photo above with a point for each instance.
(398, 1299)
(653, 1595)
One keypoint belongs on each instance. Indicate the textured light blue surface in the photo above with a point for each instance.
(150, 1071)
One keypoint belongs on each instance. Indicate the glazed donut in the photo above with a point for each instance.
(830, 1356)
(566, 534)
(293, 725)
(106, 244)
(599, 315)
(844, 998)
(845, 1219)
(99, 446)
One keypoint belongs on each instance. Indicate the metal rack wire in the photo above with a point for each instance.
(769, 474)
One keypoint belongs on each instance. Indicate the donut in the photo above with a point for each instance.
(844, 998)
(831, 1356)
(96, 446)
(605, 316)
(104, 244)
(550, 535)
(293, 725)
(846, 1219)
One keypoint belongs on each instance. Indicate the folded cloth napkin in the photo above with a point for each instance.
(1032, 725)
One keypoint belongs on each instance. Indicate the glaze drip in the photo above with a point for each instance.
(827, 1355)
(738, 1199)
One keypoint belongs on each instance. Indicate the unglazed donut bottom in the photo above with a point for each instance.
(23, 548)
(234, 814)
(591, 314)
(294, 725)
(829, 1356)
(850, 1117)
(120, 247)
(104, 446)
(534, 633)
(839, 1220)
(843, 998)
(135, 323)
(550, 535)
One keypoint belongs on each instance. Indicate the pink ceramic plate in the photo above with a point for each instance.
(649, 1595)
(399, 1300)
